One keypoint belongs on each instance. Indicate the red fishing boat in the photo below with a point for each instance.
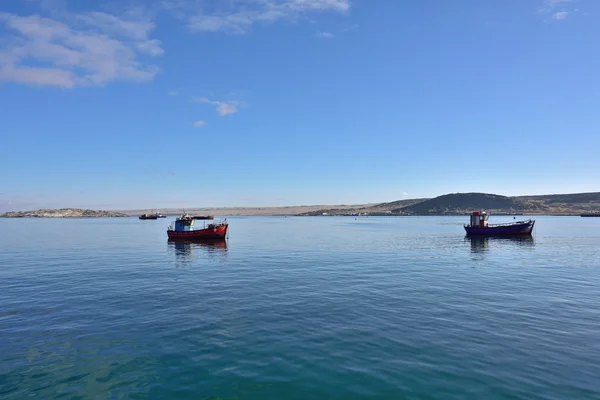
(185, 228)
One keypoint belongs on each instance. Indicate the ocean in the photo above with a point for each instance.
(299, 308)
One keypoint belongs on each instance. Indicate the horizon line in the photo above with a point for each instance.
(94, 208)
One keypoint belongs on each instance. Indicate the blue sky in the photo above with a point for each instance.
(177, 103)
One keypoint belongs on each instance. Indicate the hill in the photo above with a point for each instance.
(393, 205)
(573, 198)
(464, 203)
(566, 203)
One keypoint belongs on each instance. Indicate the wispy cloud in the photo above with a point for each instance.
(351, 28)
(223, 107)
(560, 15)
(324, 35)
(173, 93)
(237, 17)
(199, 124)
(557, 9)
(331, 35)
(91, 48)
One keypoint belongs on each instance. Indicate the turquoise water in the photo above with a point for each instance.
(299, 308)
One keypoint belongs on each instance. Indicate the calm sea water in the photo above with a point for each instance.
(299, 308)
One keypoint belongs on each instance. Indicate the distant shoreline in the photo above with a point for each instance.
(267, 212)
(456, 204)
(63, 213)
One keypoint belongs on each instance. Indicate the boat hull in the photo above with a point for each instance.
(217, 233)
(520, 228)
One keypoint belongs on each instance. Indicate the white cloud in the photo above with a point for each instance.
(324, 35)
(199, 124)
(404, 194)
(223, 107)
(173, 93)
(560, 15)
(240, 19)
(226, 108)
(549, 6)
(79, 49)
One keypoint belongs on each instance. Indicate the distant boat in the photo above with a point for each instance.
(159, 215)
(479, 226)
(148, 216)
(203, 217)
(184, 228)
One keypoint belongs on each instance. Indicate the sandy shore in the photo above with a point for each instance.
(246, 211)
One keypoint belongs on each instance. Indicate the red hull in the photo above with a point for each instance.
(218, 232)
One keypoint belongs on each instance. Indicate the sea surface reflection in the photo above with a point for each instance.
(189, 251)
(485, 244)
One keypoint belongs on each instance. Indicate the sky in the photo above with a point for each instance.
(219, 103)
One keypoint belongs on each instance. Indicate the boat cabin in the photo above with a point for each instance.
(479, 219)
(184, 224)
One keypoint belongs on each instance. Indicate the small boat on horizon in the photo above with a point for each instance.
(479, 226)
(184, 228)
(154, 215)
(203, 217)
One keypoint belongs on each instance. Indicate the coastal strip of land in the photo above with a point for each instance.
(246, 211)
(587, 204)
(448, 204)
(63, 213)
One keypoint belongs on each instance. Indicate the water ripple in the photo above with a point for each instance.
(299, 308)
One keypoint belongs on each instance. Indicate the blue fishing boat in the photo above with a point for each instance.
(479, 226)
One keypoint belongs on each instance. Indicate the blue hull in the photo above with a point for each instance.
(519, 228)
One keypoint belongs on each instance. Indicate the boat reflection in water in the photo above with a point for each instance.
(187, 251)
(483, 244)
